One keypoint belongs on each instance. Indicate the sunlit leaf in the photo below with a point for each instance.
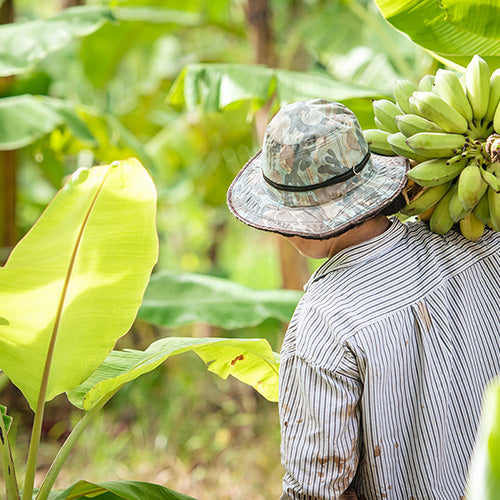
(24, 44)
(484, 471)
(174, 299)
(77, 278)
(251, 361)
(481, 17)
(445, 31)
(127, 490)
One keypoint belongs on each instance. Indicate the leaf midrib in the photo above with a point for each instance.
(64, 292)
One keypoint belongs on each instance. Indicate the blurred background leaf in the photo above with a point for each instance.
(23, 45)
(173, 299)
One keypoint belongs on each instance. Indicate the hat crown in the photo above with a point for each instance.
(311, 142)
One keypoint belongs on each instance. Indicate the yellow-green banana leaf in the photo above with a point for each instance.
(250, 360)
(73, 285)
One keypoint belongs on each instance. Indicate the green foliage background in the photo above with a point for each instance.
(169, 83)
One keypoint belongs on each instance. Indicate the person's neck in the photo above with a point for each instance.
(364, 232)
(322, 249)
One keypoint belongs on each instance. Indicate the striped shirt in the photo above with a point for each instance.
(384, 365)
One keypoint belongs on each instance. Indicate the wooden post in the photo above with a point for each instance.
(72, 3)
(294, 270)
(8, 226)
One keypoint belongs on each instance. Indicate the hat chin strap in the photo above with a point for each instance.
(329, 182)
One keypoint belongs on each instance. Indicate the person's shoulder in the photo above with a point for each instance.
(452, 243)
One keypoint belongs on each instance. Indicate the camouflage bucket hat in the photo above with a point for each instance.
(315, 176)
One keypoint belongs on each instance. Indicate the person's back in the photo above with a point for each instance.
(387, 355)
(392, 345)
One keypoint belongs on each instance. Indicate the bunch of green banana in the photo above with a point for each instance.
(448, 125)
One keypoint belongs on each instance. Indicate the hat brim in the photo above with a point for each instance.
(253, 201)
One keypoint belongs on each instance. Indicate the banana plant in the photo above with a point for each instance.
(70, 288)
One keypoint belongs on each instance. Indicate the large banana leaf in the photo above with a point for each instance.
(484, 473)
(174, 299)
(453, 29)
(217, 86)
(23, 45)
(479, 17)
(127, 490)
(250, 360)
(73, 285)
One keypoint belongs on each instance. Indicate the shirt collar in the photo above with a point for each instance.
(361, 252)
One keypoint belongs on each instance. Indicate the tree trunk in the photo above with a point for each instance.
(8, 228)
(72, 3)
(294, 270)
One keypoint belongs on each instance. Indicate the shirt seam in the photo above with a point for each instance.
(321, 367)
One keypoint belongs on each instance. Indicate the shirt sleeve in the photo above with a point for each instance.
(320, 425)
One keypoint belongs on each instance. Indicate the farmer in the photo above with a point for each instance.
(386, 357)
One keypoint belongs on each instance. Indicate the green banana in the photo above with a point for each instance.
(432, 107)
(448, 87)
(477, 81)
(411, 124)
(436, 171)
(461, 79)
(457, 211)
(431, 145)
(441, 221)
(496, 120)
(482, 210)
(399, 146)
(494, 96)
(471, 186)
(494, 206)
(491, 180)
(377, 141)
(381, 126)
(426, 199)
(426, 83)
(402, 92)
(385, 112)
(471, 227)
(413, 107)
